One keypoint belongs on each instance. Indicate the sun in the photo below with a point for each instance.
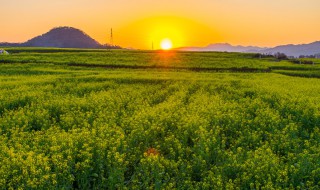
(166, 44)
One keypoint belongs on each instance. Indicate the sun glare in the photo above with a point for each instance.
(166, 44)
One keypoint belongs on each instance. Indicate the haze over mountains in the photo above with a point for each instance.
(290, 50)
(62, 37)
(296, 50)
(224, 47)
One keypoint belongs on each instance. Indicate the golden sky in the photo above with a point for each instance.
(139, 23)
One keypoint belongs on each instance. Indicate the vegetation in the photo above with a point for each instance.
(66, 127)
(139, 58)
(281, 56)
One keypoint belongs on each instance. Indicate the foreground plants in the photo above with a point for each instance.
(73, 128)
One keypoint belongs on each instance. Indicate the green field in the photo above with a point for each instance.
(98, 119)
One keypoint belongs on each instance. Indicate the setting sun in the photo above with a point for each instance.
(166, 44)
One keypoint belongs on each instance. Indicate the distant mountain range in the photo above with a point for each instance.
(223, 47)
(296, 50)
(290, 50)
(62, 37)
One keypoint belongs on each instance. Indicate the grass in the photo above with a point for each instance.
(79, 127)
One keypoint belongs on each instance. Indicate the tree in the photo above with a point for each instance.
(280, 56)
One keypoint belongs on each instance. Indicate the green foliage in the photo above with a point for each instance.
(67, 127)
(301, 73)
(154, 59)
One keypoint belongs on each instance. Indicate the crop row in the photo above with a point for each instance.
(125, 129)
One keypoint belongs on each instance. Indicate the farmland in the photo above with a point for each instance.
(93, 119)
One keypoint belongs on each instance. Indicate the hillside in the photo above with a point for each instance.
(62, 37)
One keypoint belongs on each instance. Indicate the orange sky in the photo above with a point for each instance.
(138, 23)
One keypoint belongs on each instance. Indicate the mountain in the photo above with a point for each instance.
(62, 37)
(290, 50)
(295, 50)
(223, 47)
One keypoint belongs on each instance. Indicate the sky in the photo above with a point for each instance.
(141, 23)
